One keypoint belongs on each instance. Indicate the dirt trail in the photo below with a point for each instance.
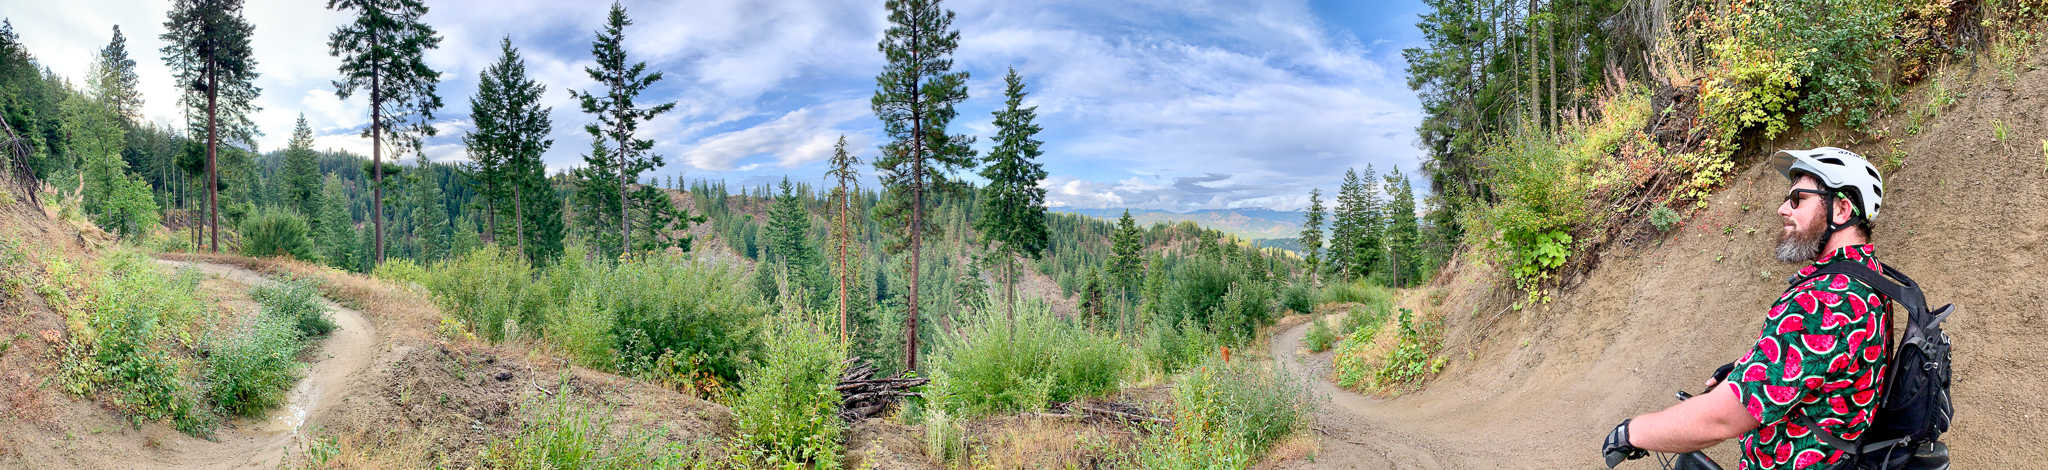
(266, 444)
(1539, 387)
(1361, 432)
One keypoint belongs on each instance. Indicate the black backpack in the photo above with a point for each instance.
(1913, 402)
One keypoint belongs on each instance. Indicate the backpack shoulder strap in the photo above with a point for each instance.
(1892, 284)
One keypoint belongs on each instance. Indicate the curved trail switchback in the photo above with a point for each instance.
(266, 443)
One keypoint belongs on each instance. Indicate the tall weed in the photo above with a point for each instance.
(787, 411)
(1227, 415)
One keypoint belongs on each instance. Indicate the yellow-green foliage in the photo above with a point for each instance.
(787, 413)
(1412, 359)
(133, 316)
(995, 366)
(684, 323)
(1227, 415)
(1754, 88)
(565, 435)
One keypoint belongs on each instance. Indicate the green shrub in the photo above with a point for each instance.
(297, 303)
(692, 311)
(248, 373)
(567, 436)
(130, 313)
(1353, 362)
(1319, 336)
(1663, 218)
(992, 368)
(787, 413)
(1227, 415)
(403, 271)
(1168, 347)
(275, 232)
(1412, 359)
(1299, 298)
(1247, 306)
(484, 289)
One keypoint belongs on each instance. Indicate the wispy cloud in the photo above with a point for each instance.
(1163, 104)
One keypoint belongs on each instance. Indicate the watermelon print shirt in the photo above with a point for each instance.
(1819, 355)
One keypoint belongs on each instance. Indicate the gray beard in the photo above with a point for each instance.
(1797, 247)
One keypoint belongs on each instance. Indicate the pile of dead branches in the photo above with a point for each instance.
(1099, 412)
(862, 396)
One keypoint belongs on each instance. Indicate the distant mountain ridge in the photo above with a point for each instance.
(1248, 223)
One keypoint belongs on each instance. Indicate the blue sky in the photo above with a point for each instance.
(1155, 104)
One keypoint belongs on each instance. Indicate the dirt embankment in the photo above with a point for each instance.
(1539, 388)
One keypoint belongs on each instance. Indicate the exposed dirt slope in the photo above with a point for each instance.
(1539, 388)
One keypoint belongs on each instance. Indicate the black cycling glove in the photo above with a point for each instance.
(1617, 448)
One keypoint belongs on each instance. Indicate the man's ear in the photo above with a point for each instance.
(1844, 209)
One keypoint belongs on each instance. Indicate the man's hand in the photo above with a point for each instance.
(1617, 448)
(1720, 374)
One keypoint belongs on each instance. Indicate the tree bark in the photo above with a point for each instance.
(377, 155)
(212, 143)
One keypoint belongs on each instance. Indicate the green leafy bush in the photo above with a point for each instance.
(787, 413)
(565, 435)
(403, 271)
(1412, 359)
(275, 232)
(1319, 336)
(1168, 347)
(297, 303)
(1353, 361)
(248, 373)
(1227, 415)
(484, 289)
(1299, 298)
(992, 368)
(1367, 316)
(662, 305)
(120, 345)
(1663, 218)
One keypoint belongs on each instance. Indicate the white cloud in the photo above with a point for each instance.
(801, 136)
(1141, 99)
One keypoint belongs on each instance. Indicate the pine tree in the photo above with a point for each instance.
(1344, 227)
(1012, 212)
(1312, 235)
(383, 53)
(844, 218)
(335, 231)
(1369, 250)
(509, 137)
(114, 81)
(207, 44)
(914, 98)
(1403, 233)
(597, 197)
(617, 117)
(1092, 298)
(302, 174)
(430, 217)
(1126, 247)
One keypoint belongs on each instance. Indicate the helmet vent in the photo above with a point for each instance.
(1871, 171)
(1830, 160)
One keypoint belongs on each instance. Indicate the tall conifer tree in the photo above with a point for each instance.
(383, 54)
(618, 118)
(914, 98)
(1012, 212)
(207, 44)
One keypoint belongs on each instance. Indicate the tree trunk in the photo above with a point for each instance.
(519, 220)
(212, 143)
(1010, 291)
(376, 169)
(917, 178)
(843, 236)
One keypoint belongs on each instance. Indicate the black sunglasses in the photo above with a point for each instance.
(1793, 197)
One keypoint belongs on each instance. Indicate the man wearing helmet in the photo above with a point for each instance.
(1819, 359)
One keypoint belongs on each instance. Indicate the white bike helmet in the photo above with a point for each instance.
(1838, 170)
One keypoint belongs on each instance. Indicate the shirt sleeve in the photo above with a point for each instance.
(1783, 371)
